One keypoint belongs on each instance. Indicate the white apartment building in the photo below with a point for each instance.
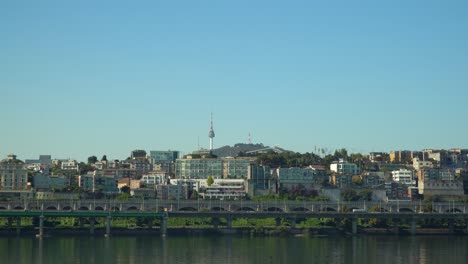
(344, 167)
(155, 178)
(70, 165)
(403, 176)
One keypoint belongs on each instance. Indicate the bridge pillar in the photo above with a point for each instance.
(466, 226)
(164, 226)
(149, 223)
(293, 222)
(18, 225)
(92, 221)
(396, 225)
(413, 227)
(215, 221)
(451, 226)
(108, 226)
(10, 222)
(81, 222)
(354, 221)
(278, 221)
(337, 223)
(229, 222)
(41, 226)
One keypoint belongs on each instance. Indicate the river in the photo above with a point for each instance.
(231, 249)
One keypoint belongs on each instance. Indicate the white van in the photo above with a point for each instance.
(359, 210)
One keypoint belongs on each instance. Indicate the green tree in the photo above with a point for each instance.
(85, 168)
(125, 189)
(123, 196)
(349, 195)
(56, 170)
(365, 195)
(357, 180)
(92, 160)
(341, 154)
(209, 181)
(104, 158)
(377, 222)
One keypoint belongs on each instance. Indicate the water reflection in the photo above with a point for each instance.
(231, 250)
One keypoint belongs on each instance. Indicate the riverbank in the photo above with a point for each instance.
(235, 231)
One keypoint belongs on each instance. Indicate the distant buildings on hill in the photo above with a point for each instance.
(167, 175)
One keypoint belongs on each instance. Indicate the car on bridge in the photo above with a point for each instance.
(359, 211)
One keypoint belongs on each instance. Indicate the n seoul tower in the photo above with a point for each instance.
(211, 134)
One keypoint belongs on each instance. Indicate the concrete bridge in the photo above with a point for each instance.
(229, 210)
(230, 206)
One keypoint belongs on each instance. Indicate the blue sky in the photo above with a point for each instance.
(80, 78)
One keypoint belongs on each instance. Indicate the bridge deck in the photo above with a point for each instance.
(80, 214)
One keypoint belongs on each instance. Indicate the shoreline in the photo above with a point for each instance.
(236, 231)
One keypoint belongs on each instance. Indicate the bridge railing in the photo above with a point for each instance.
(229, 205)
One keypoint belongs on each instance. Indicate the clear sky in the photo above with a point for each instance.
(81, 78)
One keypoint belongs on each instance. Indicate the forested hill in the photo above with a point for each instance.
(228, 151)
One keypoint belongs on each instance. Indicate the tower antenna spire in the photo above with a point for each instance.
(211, 134)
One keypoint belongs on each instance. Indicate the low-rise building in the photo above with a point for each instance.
(259, 181)
(198, 166)
(341, 180)
(292, 178)
(13, 175)
(121, 173)
(101, 165)
(145, 193)
(225, 189)
(452, 189)
(172, 192)
(164, 160)
(154, 178)
(95, 181)
(403, 176)
(405, 156)
(372, 179)
(397, 191)
(440, 182)
(43, 159)
(70, 165)
(344, 167)
(236, 168)
(378, 156)
(48, 195)
(436, 174)
(47, 182)
(421, 164)
(141, 166)
(138, 154)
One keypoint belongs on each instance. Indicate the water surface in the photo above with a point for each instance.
(225, 249)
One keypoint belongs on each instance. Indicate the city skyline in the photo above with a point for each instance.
(78, 79)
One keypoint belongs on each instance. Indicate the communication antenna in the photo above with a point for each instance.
(249, 139)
